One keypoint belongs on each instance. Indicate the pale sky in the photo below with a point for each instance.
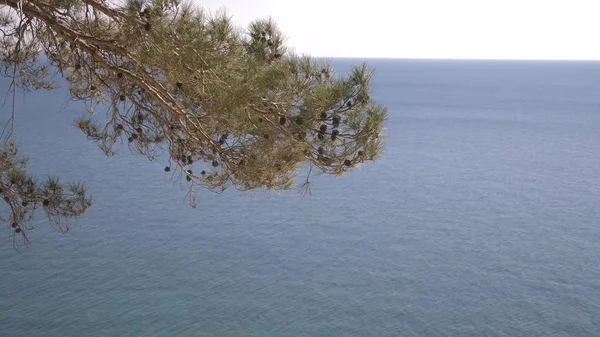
(472, 29)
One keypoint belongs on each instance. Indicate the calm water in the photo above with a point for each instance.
(481, 219)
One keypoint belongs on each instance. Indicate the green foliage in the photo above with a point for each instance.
(234, 104)
(25, 195)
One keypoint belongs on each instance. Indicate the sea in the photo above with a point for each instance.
(481, 218)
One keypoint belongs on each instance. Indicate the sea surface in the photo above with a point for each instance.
(482, 218)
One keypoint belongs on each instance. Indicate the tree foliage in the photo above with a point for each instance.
(236, 105)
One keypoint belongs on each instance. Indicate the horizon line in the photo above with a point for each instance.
(450, 59)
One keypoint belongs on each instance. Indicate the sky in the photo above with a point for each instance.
(447, 29)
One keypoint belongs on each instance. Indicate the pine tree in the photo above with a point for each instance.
(235, 103)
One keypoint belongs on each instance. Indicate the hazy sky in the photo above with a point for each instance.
(499, 29)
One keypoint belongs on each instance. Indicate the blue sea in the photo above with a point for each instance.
(482, 218)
